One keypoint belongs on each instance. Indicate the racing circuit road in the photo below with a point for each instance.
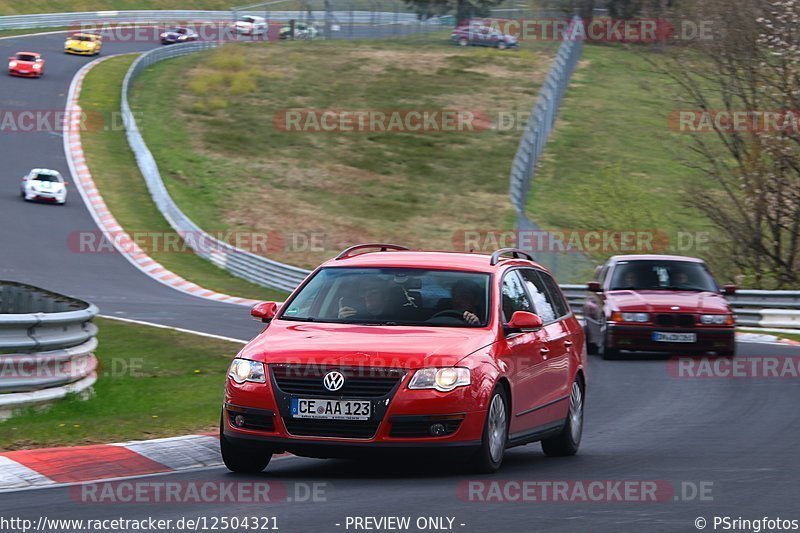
(736, 436)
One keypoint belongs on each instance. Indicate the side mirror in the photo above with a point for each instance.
(524, 321)
(264, 311)
(729, 290)
(594, 286)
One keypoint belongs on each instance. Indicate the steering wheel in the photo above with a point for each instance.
(449, 313)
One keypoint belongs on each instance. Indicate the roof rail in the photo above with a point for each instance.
(382, 247)
(516, 254)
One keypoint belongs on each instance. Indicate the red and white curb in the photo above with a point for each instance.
(122, 241)
(39, 468)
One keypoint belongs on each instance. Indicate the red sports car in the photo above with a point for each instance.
(658, 303)
(27, 64)
(385, 348)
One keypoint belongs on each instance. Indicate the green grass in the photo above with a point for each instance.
(613, 163)
(209, 122)
(116, 174)
(152, 383)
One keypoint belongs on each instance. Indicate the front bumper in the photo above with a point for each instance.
(402, 419)
(25, 74)
(79, 52)
(640, 338)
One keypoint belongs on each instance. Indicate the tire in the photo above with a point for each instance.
(244, 460)
(489, 456)
(569, 440)
(463, 42)
(591, 347)
(501, 45)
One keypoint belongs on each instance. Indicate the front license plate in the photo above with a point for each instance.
(660, 336)
(331, 409)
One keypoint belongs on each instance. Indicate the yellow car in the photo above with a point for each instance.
(84, 44)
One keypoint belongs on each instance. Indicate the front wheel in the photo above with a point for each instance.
(495, 434)
(237, 458)
(569, 440)
(501, 45)
(463, 42)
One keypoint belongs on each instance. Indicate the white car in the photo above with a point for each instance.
(45, 185)
(247, 25)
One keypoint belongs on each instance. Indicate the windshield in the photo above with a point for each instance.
(662, 275)
(47, 177)
(26, 57)
(247, 19)
(393, 296)
(84, 38)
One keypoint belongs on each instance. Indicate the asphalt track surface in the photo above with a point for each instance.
(34, 237)
(737, 438)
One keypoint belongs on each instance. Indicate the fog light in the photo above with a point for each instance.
(437, 430)
(238, 421)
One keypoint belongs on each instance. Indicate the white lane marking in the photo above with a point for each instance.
(14, 476)
(182, 330)
(33, 34)
(179, 453)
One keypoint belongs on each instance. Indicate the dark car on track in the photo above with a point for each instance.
(483, 35)
(658, 303)
(384, 348)
(178, 35)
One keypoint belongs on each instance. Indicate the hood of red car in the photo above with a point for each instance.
(358, 345)
(657, 301)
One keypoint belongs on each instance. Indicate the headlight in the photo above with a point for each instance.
(245, 370)
(718, 320)
(630, 317)
(441, 379)
(37, 66)
(12, 64)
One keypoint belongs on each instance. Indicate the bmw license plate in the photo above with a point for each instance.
(660, 336)
(331, 409)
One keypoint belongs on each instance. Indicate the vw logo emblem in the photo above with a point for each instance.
(333, 380)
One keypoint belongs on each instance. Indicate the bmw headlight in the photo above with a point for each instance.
(635, 317)
(245, 370)
(717, 320)
(441, 379)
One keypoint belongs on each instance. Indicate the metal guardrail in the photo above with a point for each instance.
(75, 19)
(238, 262)
(753, 308)
(47, 341)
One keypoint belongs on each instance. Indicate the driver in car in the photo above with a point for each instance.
(375, 295)
(467, 297)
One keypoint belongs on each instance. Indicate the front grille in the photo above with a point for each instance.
(415, 426)
(674, 319)
(353, 429)
(359, 382)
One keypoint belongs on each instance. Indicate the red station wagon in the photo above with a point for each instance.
(658, 303)
(387, 348)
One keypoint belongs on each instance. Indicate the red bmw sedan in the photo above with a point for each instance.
(383, 348)
(658, 303)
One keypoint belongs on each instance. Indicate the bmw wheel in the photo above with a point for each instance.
(495, 434)
(501, 45)
(463, 42)
(569, 440)
(238, 458)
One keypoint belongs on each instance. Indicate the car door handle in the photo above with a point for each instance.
(544, 350)
(568, 344)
